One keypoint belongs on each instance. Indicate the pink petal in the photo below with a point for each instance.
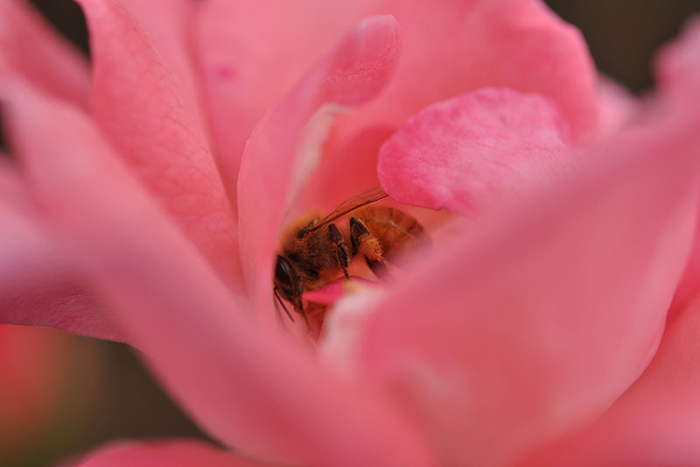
(529, 324)
(676, 366)
(30, 47)
(618, 107)
(657, 421)
(678, 70)
(255, 391)
(13, 191)
(474, 152)
(454, 47)
(174, 453)
(145, 100)
(661, 432)
(287, 142)
(678, 64)
(689, 285)
(252, 52)
(168, 23)
(39, 286)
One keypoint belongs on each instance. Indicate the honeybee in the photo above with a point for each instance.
(314, 251)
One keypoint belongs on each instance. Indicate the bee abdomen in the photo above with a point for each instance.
(395, 229)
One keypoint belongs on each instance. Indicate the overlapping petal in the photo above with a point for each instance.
(39, 283)
(145, 100)
(450, 47)
(675, 369)
(253, 390)
(678, 70)
(40, 286)
(474, 152)
(659, 432)
(240, 43)
(527, 325)
(656, 422)
(29, 47)
(288, 141)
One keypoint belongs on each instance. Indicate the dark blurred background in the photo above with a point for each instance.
(107, 395)
(623, 34)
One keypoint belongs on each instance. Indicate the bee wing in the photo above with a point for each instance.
(367, 197)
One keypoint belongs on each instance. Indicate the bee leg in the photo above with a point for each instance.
(364, 242)
(341, 250)
(299, 306)
(300, 310)
(379, 269)
(278, 303)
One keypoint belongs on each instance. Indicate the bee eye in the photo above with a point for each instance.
(285, 276)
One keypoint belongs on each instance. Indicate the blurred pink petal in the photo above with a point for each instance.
(689, 285)
(31, 48)
(13, 192)
(173, 453)
(660, 432)
(656, 422)
(678, 70)
(450, 48)
(541, 319)
(618, 107)
(474, 152)
(145, 100)
(678, 64)
(675, 368)
(168, 23)
(285, 146)
(255, 391)
(39, 284)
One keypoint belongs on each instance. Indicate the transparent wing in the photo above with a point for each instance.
(367, 197)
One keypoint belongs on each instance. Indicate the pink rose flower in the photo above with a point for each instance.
(148, 194)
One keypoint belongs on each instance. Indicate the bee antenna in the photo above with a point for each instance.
(279, 302)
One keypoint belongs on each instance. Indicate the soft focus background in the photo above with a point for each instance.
(61, 395)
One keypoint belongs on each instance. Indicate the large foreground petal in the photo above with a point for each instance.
(656, 422)
(537, 321)
(254, 390)
(660, 432)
